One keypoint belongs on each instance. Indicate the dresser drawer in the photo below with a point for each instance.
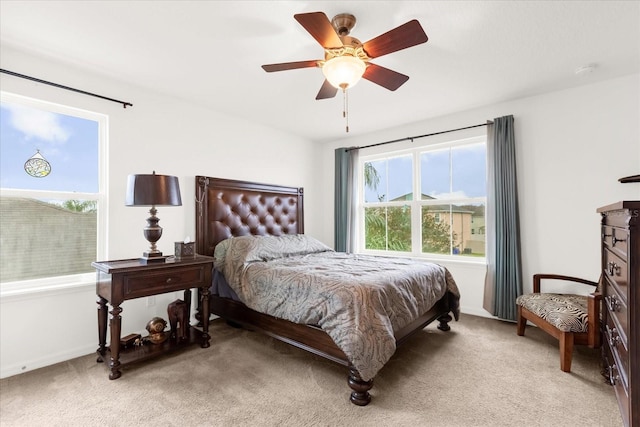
(616, 240)
(616, 310)
(165, 280)
(622, 393)
(618, 346)
(615, 269)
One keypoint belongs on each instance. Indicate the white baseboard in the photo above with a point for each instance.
(476, 312)
(51, 359)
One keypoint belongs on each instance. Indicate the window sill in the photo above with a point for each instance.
(451, 259)
(48, 286)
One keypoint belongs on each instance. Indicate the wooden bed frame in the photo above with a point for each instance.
(226, 208)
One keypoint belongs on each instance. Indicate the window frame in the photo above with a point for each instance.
(65, 281)
(416, 204)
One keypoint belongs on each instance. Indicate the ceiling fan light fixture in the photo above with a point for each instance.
(344, 71)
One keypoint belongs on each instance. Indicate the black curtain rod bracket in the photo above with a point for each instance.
(22, 76)
(411, 138)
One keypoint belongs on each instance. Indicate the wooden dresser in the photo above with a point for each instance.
(621, 300)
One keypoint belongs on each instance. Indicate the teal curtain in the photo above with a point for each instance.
(504, 267)
(344, 204)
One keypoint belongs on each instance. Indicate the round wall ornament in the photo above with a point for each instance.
(37, 166)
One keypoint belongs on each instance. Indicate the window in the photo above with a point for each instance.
(426, 201)
(51, 192)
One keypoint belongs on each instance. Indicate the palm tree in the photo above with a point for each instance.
(80, 205)
(371, 177)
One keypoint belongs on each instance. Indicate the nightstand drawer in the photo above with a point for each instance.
(166, 280)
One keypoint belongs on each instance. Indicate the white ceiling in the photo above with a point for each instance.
(210, 52)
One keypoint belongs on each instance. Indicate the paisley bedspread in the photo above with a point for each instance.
(358, 300)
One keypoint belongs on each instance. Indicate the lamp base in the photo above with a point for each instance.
(152, 257)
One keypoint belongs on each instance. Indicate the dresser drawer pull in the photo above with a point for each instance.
(615, 240)
(613, 268)
(614, 337)
(613, 303)
(612, 374)
(169, 280)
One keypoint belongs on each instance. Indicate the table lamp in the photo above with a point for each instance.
(153, 190)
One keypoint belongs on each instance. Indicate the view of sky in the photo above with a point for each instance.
(69, 144)
(445, 174)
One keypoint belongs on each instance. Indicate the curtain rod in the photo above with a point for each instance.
(411, 138)
(124, 104)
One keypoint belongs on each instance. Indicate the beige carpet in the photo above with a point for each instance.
(478, 374)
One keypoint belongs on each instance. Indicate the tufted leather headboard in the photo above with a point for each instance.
(226, 208)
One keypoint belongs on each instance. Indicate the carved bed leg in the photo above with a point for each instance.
(443, 322)
(360, 395)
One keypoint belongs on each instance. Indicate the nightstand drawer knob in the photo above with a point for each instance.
(169, 280)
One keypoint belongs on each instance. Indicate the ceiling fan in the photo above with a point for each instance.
(346, 59)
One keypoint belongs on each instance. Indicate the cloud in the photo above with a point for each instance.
(38, 124)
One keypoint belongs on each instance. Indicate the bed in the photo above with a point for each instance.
(240, 219)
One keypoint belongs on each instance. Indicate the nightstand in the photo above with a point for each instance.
(118, 281)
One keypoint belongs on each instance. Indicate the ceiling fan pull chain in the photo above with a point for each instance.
(345, 108)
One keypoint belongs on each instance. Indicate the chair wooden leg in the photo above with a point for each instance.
(566, 351)
(522, 322)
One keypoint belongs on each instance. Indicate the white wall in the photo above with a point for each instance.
(158, 133)
(572, 147)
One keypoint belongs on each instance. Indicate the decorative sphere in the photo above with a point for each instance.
(156, 330)
(156, 325)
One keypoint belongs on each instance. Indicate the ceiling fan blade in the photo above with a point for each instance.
(384, 77)
(269, 68)
(327, 91)
(402, 37)
(319, 26)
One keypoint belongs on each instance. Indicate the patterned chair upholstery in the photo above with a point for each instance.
(572, 319)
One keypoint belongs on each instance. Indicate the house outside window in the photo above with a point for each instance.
(425, 202)
(52, 194)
